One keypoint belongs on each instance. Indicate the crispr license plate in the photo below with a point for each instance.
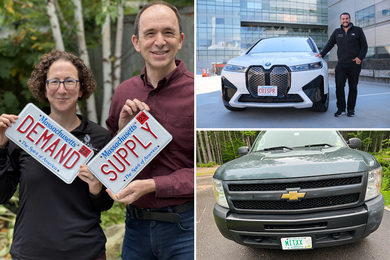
(49, 143)
(296, 243)
(267, 91)
(129, 151)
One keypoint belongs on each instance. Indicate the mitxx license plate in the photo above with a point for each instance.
(267, 91)
(129, 151)
(296, 243)
(49, 143)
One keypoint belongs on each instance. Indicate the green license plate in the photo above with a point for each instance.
(289, 243)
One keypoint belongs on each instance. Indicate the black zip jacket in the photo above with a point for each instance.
(349, 46)
(55, 220)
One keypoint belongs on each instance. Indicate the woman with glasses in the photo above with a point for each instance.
(56, 220)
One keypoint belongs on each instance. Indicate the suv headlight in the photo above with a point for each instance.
(374, 183)
(234, 68)
(309, 66)
(219, 193)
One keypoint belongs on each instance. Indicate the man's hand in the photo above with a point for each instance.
(357, 60)
(135, 190)
(5, 122)
(318, 55)
(129, 110)
(95, 186)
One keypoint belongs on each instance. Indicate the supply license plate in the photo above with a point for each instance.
(49, 143)
(267, 91)
(296, 243)
(129, 151)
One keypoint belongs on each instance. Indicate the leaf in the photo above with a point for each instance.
(10, 9)
(35, 45)
(34, 38)
(10, 100)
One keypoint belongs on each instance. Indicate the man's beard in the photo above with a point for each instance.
(347, 25)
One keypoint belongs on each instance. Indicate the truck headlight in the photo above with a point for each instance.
(219, 193)
(374, 183)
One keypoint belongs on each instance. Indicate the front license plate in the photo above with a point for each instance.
(267, 91)
(296, 243)
(49, 143)
(129, 151)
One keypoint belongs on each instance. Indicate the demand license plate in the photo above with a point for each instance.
(296, 243)
(129, 151)
(49, 143)
(267, 91)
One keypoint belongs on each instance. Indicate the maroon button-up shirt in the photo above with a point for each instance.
(172, 104)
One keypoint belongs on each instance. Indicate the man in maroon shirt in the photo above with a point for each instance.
(160, 214)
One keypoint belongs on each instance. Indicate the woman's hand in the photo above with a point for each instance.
(5, 122)
(95, 186)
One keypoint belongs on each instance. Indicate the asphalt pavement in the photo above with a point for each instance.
(372, 110)
(210, 244)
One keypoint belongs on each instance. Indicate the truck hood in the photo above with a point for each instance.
(296, 163)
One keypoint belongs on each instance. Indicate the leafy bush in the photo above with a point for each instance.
(209, 164)
(115, 215)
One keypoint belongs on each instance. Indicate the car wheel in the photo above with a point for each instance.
(322, 106)
(234, 108)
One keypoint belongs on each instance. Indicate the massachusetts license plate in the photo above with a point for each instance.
(296, 243)
(267, 91)
(49, 143)
(129, 152)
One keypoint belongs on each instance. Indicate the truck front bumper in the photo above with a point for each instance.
(329, 228)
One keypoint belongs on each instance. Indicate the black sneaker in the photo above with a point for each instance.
(351, 113)
(339, 113)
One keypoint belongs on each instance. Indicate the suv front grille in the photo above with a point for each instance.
(303, 204)
(277, 76)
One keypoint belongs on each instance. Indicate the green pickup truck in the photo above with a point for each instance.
(299, 189)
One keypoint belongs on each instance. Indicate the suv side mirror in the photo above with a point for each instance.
(243, 150)
(354, 143)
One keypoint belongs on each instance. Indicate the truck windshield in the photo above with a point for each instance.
(298, 139)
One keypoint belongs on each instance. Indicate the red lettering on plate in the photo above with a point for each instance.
(33, 130)
(74, 162)
(131, 148)
(46, 138)
(110, 171)
(142, 118)
(62, 150)
(123, 156)
(147, 128)
(24, 121)
(53, 146)
(139, 141)
(84, 151)
(123, 166)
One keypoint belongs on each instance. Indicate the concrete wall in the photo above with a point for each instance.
(372, 70)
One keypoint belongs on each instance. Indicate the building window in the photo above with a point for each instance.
(365, 17)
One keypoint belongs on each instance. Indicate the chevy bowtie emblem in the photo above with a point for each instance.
(268, 64)
(293, 195)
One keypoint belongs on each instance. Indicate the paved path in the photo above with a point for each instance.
(372, 110)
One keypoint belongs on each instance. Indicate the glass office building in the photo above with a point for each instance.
(226, 28)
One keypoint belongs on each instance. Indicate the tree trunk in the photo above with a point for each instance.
(202, 147)
(206, 137)
(198, 158)
(107, 73)
(118, 46)
(231, 141)
(83, 52)
(55, 25)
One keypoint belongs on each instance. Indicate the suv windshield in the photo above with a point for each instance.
(268, 140)
(282, 45)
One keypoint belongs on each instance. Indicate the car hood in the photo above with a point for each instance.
(275, 58)
(296, 163)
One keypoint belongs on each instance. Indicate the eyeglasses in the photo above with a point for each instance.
(55, 84)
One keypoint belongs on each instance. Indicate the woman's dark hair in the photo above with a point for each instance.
(37, 84)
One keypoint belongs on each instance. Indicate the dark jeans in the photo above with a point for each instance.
(343, 72)
(149, 239)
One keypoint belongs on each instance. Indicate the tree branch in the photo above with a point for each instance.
(32, 7)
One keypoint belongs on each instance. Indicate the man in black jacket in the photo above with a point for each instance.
(352, 48)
